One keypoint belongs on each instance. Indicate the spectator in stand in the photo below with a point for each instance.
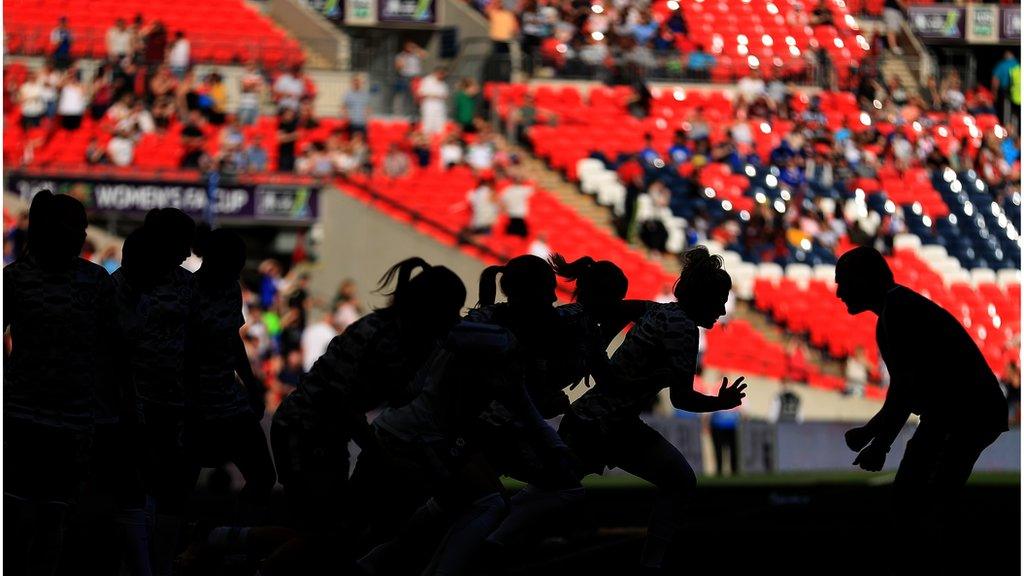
(356, 106)
(73, 102)
(504, 27)
(396, 162)
(451, 152)
(535, 28)
(307, 118)
(409, 65)
(523, 118)
(192, 140)
(214, 89)
(347, 308)
(515, 199)
(101, 92)
(483, 208)
(420, 149)
(120, 42)
(31, 97)
(466, 104)
(433, 95)
(821, 15)
(953, 98)
(287, 135)
(154, 44)
(179, 57)
(892, 14)
(1001, 83)
(316, 337)
(60, 44)
(752, 87)
(256, 157)
(289, 88)
(251, 93)
(94, 153)
(540, 247)
(121, 148)
(857, 372)
(699, 63)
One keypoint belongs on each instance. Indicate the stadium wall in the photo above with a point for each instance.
(360, 242)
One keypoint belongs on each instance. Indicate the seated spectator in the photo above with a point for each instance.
(515, 199)
(359, 150)
(650, 157)
(420, 149)
(480, 154)
(466, 104)
(356, 106)
(94, 153)
(307, 119)
(699, 63)
(680, 150)
(341, 156)
(121, 148)
(162, 84)
(138, 120)
(102, 91)
(315, 161)
(256, 158)
(214, 99)
(165, 111)
(396, 162)
(821, 15)
(451, 152)
(73, 101)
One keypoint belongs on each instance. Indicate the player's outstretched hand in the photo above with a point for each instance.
(871, 458)
(858, 438)
(732, 396)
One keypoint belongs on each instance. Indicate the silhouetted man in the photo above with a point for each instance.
(936, 372)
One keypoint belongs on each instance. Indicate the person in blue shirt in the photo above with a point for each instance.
(644, 30)
(60, 42)
(680, 150)
(1001, 78)
(1011, 149)
(650, 156)
(700, 62)
(792, 175)
(723, 438)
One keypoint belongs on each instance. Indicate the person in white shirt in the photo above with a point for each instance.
(31, 98)
(751, 87)
(433, 94)
(480, 154)
(119, 40)
(289, 88)
(315, 339)
(180, 55)
(451, 152)
(72, 102)
(121, 149)
(483, 208)
(516, 201)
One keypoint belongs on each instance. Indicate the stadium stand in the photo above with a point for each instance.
(223, 32)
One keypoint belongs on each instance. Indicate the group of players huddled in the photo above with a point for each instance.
(119, 389)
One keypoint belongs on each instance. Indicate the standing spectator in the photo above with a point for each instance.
(60, 44)
(723, 438)
(420, 149)
(289, 88)
(287, 134)
(31, 96)
(315, 339)
(483, 208)
(101, 92)
(1002, 82)
(252, 86)
(396, 162)
(154, 41)
(409, 65)
(179, 57)
(218, 98)
(192, 136)
(786, 406)
(535, 29)
(504, 27)
(516, 201)
(121, 148)
(72, 104)
(893, 16)
(433, 94)
(119, 40)
(856, 372)
(356, 106)
(347, 308)
(466, 103)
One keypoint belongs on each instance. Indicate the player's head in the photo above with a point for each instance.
(173, 231)
(599, 283)
(223, 256)
(862, 279)
(703, 287)
(56, 228)
(427, 302)
(527, 281)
